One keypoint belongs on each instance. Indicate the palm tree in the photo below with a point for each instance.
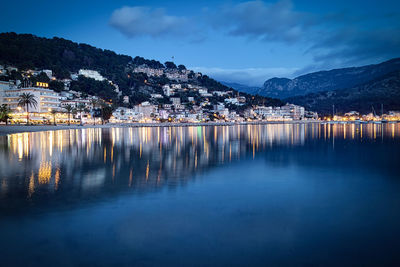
(27, 99)
(54, 113)
(81, 108)
(94, 104)
(102, 106)
(69, 110)
(5, 113)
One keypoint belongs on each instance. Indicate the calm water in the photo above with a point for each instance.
(240, 195)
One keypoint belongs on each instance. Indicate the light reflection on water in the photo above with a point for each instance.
(279, 194)
(89, 160)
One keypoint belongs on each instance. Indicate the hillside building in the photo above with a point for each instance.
(91, 74)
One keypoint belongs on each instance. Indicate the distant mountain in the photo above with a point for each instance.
(241, 87)
(383, 90)
(327, 80)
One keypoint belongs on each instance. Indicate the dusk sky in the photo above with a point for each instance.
(237, 41)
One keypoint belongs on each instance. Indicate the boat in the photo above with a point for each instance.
(383, 120)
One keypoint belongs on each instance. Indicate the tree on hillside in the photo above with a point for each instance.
(56, 86)
(90, 86)
(170, 65)
(41, 77)
(15, 75)
(106, 113)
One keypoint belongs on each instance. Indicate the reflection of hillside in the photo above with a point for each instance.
(91, 163)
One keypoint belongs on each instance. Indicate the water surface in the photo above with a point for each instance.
(288, 194)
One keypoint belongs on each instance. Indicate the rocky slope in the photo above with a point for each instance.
(336, 79)
(383, 90)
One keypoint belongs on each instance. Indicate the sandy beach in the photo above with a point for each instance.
(11, 129)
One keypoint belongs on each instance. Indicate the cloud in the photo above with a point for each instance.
(357, 46)
(246, 76)
(144, 21)
(333, 40)
(263, 21)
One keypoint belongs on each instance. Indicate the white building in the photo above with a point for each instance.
(3, 87)
(176, 86)
(203, 91)
(74, 76)
(47, 99)
(264, 111)
(167, 90)
(167, 106)
(49, 73)
(292, 111)
(219, 93)
(233, 101)
(176, 75)
(76, 102)
(179, 107)
(149, 71)
(163, 114)
(66, 95)
(156, 96)
(122, 114)
(146, 109)
(175, 100)
(218, 107)
(91, 74)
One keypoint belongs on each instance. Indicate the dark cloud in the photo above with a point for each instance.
(264, 21)
(357, 46)
(332, 39)
(144, 21)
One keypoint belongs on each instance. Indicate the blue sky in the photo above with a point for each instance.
(237, 41)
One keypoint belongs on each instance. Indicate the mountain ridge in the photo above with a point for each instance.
(327, 80)
(384, 90)
(241, 87)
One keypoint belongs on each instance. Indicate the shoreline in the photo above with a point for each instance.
(12, 129)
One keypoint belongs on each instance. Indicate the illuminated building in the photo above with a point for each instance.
(91, 74)
(46, 99)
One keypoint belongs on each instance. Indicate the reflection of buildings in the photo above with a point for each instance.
(98, 162)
